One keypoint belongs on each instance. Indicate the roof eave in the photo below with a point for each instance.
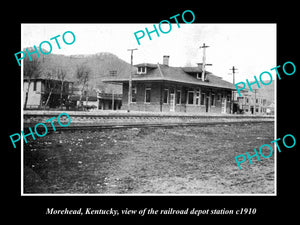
(114, 81)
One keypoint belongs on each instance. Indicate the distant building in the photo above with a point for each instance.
(46, 93)
(102, 101)
(109, 96)
(251, 103)
(270, 109)
(88, 102)
(110, 101)
(162, 88)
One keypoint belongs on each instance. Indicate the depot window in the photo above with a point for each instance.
(197, 96)
(178, 97)
(166, 96)
(202, 98)
(133, 94)
(142, 70)
(212, 102)
(147, 95)
(190, 97)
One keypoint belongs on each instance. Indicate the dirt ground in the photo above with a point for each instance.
(178, 160)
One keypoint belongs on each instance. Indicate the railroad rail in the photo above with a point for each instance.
(117, 119)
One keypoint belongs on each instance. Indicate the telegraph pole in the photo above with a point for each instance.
(130, 79)
(204, 61)
(233, 81)
(233, 73)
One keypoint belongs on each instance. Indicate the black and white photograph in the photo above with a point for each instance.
(150, 112)
(129, 109)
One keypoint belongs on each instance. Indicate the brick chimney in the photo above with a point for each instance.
(166, 60)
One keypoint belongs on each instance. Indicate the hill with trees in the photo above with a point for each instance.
(99, 66)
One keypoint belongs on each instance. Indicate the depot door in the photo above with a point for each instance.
(252, 109)
(206, 103)
(223, 110)
(172, 102)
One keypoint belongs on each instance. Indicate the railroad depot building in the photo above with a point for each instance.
(164, 88)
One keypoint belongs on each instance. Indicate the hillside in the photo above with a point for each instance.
(100, 65)
(267, 91)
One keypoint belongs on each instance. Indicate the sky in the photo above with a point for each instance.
(251, 48)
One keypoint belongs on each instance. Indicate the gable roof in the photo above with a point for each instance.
(160, 72)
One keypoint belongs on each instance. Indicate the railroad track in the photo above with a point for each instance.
(113, 121)
(92, 127)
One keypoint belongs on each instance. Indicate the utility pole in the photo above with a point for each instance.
(130, 79)
(204, 61)
(233, 73)
(233, 81)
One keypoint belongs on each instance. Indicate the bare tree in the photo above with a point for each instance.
(51, 84)
(61, 75)
(32, 70)
(82, 74)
